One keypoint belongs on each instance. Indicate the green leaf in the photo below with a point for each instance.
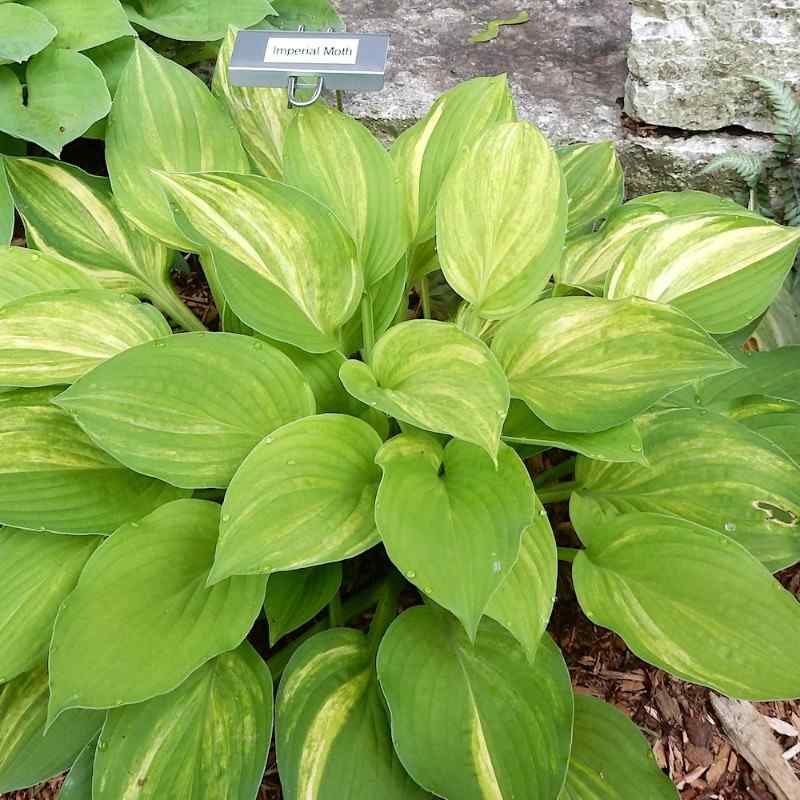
(195, 20)
(26, 272)
(286, 264)
(776, 420)
(610, 758)
(72, 214)
(424, 153)
(25, 32)
(262, 115)
(595, 184)
(585, 364)
(492, 28)
(151, 574)
(524, 600)
(435, 376)
(54, 478)
(164, 118)
(112, 58)
(340, 163)
(66, 93)
(78, 783)
(56, 337)
(208, 738)
(450, 521)
(294, 598)
(527, 214)
(316, 15)
(27, 754)
(463, 713)
(622, 443)
(709, 470)
(723, 270)
(687, 203)
(39, 571)
(303, 497)
(780, 326)
(331, 731)
(84, 24)
(690, 600)
(189, 408)
(6, 208)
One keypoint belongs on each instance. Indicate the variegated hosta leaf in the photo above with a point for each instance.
(587, 259)
(6, 208)
(586, 364)
(78, 782)
(54, 478)
(286, 264)
(423, 154)
(340, 163)
(164, 118)
(595, 184)
(72, 214)
(435, 376)
(26, 32)
(195, 20)
(709, 470)
(86, 24)
(458, 545)
(208, 738)
(56, 337)
(304, 496)
(780, 326)
(27, 754)
(499, 255)
(524, 601)
(293, 598)
(261, 114)
(689, 600)
(26, 272)
(611, 758)
(622, 443)
(464, 742)
(332, 734)
(39, 571)
(723, 270)
(189, 408)
(687, 203)
(151, 574)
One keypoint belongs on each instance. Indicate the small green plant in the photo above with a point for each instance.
(350, 443)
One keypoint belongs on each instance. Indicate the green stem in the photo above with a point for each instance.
(557, 492)
(567, 553)
(554, 473)
(470, 321)
(367, 327)
(169, 302)
(386, 610)
(335, 611)
(425, 295)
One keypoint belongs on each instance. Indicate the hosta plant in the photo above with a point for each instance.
(334, 494)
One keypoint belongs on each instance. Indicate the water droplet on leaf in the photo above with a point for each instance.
(730, 527)
(411, 574)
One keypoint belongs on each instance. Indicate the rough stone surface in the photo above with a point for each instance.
(688, 59)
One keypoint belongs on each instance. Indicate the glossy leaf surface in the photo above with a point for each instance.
(26, 272)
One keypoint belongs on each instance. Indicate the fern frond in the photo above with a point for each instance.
(784, 105)
(747, 166)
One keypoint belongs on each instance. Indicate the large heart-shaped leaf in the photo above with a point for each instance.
(27, 754)
(610, 758)
(465, 743)
(84, 24)
(689, 600)
(435, 376)
(586, 364)
(304, 496)
(196, 20)
(151, 574)
(709, 470)
(39, 571)
(164, 118)
(500, 255)
(72, 214)
(331, 731)
(189, 408)
(26, 272)
(775, 419)
(54, 478)
(261, 114)
(293, 598)
(595, 184)
(723, 270)
(208, 738)
(25, 32)
(458, 544)
(339, 162)
(66, 93)
(56, 337)
(286, 264)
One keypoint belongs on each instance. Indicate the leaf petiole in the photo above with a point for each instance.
(557, 492)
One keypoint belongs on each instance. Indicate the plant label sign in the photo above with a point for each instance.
(346, 61)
